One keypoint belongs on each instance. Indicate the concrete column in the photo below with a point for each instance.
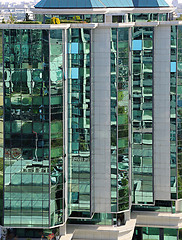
(161, 111)
(108, 18)
(101, 163)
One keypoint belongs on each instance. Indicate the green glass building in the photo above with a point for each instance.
(90, 122)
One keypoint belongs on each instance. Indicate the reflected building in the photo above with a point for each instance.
(90, 122)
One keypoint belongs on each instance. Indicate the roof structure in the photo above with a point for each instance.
(101, 4)
(150, 3)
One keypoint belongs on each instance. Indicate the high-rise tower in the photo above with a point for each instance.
(91, 121)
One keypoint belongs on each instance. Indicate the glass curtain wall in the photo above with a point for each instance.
(151, 233)
(179, 113)
(79, 122)
(26, 124)
(86, 18)
(1, 127)
(160, 206)
(119, 120)
(155, 234)
(123, 112)
(56, 126)
(147, 17)
(170, 234)
(142, 145)
(114, 162)
(173, 127)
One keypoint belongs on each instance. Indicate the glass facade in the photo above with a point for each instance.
(33, 129)
(150, 233)
(118, 19)
(56, 126)
(27, 233)
(26, 123)
(87, 18)
(147, 17)
(1, 127)
(155, 234)
(160, 206)
(33, 64)
(179, 112)
(173, 125)
(100, 18)
(79, 122)
(142, 115)
(119, 120)
(170, 234)
(97, 219)
(114, 135)
(122, 120)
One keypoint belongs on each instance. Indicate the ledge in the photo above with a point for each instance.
(89, 25)
(158, 219)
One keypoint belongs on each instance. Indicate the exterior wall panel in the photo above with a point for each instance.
(162, 45)
(101, 166)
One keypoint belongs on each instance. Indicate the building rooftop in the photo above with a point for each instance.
(101, 4)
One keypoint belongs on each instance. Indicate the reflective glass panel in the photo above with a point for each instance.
(142, 117)
(79, 122)
(26, 185)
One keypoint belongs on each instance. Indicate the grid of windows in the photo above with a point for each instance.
(114, 171)
(147, 17)
(173, 127)
(1, 128)
(56, 126)
(97, 219)
(26, 123)
(119, 120)
(160, 206)
(79, 121)
(155, 234)
(123, 100)
(89, 18)
(142, 77)
(179, 112)
(118, 18)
